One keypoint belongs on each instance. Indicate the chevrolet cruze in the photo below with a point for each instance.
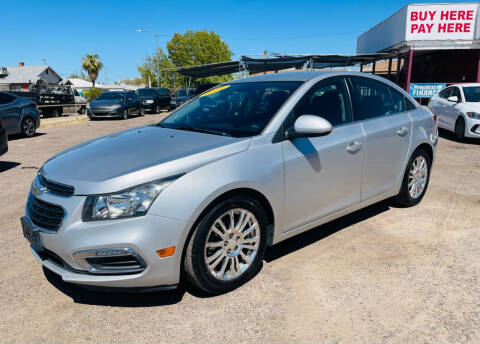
(238, 168)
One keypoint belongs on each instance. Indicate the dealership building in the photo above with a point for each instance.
(426, 47)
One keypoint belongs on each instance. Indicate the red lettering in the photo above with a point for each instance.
(466, 27)
(450, 27)
(442, 28)
(453, 15)
(461, 15)
(413, 28)
(443, 15)
(470, 15)
(422, 15)
(429, 27)
(432, 14)
(458, 27)
(414, 16)
(421, 29)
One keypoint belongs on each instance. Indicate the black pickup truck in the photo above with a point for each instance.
(54, 100)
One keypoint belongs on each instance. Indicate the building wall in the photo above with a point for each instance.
(50, 77)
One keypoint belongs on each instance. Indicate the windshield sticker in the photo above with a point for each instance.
(215, 90)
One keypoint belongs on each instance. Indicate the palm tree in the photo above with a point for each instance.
(91, 64)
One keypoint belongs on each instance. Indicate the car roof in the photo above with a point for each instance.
(285, 76)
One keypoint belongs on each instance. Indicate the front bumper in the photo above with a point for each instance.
(472, 128)
(104, 113)
(144, 235)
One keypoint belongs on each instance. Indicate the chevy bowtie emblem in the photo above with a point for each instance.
(37, 191)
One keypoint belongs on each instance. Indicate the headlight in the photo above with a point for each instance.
(114, 107)
(127, 203)
(149, 101)
(474, 115)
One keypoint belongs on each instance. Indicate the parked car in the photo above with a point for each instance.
(182, 96)
(205, 191)
(457, 108)
(155, 99)
(3, 139)
(18, 115)
(115, 104)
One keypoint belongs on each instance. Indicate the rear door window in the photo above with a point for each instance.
(398, 100)
(6, 98)
(371, 99)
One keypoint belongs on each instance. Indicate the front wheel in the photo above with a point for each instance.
(227, 246)
(142, 112)
(416, 178)
(460, 129)
(125, 114)
(157, 109)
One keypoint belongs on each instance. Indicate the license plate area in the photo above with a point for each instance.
(32, 235)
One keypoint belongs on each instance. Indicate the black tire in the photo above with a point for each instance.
(194, 264)
(404, 198)
(83, 110)
(157, 109)
(28, 127)
(125, 114)
(55, 113)
(460, 129)
(142, 112)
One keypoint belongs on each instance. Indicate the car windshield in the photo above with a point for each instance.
(472, 94)
(111, 95)
(147, 92)
(238, 109)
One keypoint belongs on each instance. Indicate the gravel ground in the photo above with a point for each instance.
(380, 275)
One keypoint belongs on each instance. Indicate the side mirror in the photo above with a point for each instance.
(453, 99)
(309, 126)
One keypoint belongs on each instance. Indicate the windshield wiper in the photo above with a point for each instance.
(202, 130)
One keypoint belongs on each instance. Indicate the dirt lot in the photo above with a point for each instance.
(380, 275)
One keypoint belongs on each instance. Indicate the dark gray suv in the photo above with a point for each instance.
(18, 115)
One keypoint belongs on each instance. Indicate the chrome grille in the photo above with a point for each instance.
(43, 214)
(56, 188)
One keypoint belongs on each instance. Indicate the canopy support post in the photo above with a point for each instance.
(399, 62)
(389, 67)
(409, 73)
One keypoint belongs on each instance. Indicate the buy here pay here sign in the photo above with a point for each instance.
(441, 22)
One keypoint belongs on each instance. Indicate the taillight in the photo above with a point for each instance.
(435, 118)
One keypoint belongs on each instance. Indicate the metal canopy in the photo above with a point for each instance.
(258, 65)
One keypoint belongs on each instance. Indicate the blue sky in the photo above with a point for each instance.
(64, 31)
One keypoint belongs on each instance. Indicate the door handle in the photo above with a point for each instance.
(354, 146)
(402, 131)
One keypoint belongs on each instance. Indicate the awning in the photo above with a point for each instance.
(258, 65)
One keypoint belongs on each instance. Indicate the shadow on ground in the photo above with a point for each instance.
(19, 136)
(448, 135)
(7, 165)
(162, 298)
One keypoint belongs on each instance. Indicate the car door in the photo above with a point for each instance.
(451, 110)
(442, 108)
(387, 125)
(10, 113)
(323, 174)
(131, 103)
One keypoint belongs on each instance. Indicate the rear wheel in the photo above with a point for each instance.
(142, 111)
(125, 114)
(416, 178)
(157, 109)
(226, 248)
(28, 127)
(460, 129)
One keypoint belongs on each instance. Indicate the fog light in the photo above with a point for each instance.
(166, 252)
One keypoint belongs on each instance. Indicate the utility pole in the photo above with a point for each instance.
(155, 35)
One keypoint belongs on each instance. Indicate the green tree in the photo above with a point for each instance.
(199, 47)
(92, 65)
(156, 64)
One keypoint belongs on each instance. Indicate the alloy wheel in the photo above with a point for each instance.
(232, 243)
(417, 177)
(28, 127)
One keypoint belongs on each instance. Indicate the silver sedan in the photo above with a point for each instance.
(238, 168)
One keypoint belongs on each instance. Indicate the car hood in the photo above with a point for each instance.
(104, 102)
(147, 97)
(136, 156)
